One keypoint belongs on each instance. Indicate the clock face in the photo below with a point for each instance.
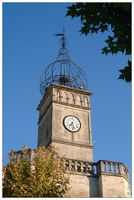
(71, 123)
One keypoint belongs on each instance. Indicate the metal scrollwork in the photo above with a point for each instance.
(63, 71)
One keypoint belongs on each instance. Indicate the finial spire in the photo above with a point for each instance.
(63, 29)
(63, 40)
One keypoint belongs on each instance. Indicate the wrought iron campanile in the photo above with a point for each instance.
(63, 71)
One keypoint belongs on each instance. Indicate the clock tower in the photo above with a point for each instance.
(65, 122)
(64, 111)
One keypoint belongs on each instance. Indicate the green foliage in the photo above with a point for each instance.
(101, 17)
(38, 173)
(125, 73)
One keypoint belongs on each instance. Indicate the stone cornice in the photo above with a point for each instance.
(66, 88)
(72, 143)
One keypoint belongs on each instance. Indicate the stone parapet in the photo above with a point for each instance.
(97, 168)
(84, 167)
(112, 168)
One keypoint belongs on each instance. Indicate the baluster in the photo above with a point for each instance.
(128, 174)
(81, 166)
(75, 166)
(106, 167)
(90, 169)
(111, 169)
(120, 169)
(115, 168)
(102, 166)
(125, 172)
(70, 167)
(86, 169)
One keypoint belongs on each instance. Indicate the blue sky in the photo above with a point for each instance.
(29, 46)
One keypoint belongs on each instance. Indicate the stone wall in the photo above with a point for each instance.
(83, 186)
(113, 186)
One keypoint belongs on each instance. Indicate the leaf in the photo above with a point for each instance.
(105, 50)
(71, 11)
(126, 73)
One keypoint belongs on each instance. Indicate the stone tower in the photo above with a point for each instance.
(65, 122)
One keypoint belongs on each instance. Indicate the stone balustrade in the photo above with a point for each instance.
(84, 167)
(80, 166)
(96, 169)
(14, 155)
(113, 168)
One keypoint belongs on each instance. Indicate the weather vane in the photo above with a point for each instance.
(63, 40)
(60, 34)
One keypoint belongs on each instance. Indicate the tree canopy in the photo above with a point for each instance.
(35, 173)
(102, 17)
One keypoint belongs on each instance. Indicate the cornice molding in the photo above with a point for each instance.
(65, 88)
(72, 143)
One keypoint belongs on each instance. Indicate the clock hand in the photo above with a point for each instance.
(71, 124)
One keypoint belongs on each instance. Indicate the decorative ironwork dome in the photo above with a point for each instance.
(63, 71)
